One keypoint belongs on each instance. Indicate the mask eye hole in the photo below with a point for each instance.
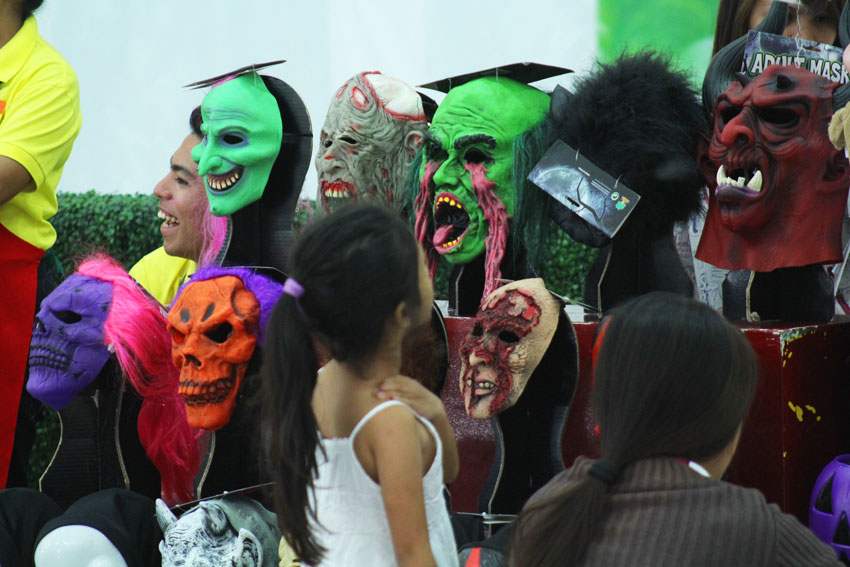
(177, 336)
(69, 317)
(778, 116)
(327, 144)
(435, 152)
(508, 337)
(220, 333)
(475, 155)
(348, 140)
(477, 331)
(233, 139)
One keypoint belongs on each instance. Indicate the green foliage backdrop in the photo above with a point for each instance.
(124, 226)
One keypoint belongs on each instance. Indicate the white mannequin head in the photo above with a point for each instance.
(77, 546)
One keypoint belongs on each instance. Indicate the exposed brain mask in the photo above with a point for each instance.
(213, 325)
(778, 188)
(513, 328)
(67, 350)
(373, 129)
(242, 136)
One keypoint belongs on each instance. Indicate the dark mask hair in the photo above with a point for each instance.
(30, 6)
(195, 121)
(673, 378)
(356, 266)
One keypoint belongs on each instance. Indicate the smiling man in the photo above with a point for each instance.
(187, 227)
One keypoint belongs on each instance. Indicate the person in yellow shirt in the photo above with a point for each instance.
(39, 121)
(190, 233)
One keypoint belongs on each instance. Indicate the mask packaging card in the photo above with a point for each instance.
(765, 49)
(588, 191)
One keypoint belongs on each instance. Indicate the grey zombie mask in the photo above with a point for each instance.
(374, 127)
(224, 531)
(67, 350)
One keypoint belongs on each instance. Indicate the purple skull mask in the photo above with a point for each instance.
(67, 350)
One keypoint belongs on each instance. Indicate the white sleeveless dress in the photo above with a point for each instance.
(353, 525)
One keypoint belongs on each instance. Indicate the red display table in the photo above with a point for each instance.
(799, 421)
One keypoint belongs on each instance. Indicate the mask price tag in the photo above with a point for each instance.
(588, 191)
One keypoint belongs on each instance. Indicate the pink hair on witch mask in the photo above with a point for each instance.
(497, 219)
(137, 330)
(494, 213)
(423, 215)
(213, 232)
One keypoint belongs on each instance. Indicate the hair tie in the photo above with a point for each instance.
(296, 290)
(293, 288)
(605, 471)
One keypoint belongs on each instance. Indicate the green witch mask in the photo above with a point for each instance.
(242, 134)
(467, 172)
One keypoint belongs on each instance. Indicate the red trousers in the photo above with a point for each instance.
(18, 278)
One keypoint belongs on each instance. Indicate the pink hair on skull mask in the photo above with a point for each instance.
(136, 328)
(497, 220)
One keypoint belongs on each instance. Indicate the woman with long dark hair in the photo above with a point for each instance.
(358, 481)
(672, 385)
(815, 21)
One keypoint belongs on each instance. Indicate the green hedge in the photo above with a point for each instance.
(124, 226)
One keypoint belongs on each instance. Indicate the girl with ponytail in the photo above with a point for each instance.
(358, 481)
(673, 382)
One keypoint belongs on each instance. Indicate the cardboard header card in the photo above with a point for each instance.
(765, 49)
(588, 191)
(521, 72)
(252, 68)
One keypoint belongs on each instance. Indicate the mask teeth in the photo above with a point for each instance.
(754, 184)
(225, 181)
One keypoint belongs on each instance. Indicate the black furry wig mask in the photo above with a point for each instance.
(641, 121)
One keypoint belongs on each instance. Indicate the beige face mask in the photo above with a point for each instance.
(513, 328)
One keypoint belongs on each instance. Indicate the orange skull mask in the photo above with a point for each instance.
(213, 326)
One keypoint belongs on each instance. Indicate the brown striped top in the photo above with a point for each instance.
(662, 513)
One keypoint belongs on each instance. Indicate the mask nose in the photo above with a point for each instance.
(208, 161)
(190, 352)
(193, 360)
(449, 173)
(478, 358)
(327, 163)
(737, 132)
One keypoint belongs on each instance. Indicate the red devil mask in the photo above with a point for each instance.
(777, 186)
(213, 326)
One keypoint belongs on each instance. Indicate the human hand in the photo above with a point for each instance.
(418, 397)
